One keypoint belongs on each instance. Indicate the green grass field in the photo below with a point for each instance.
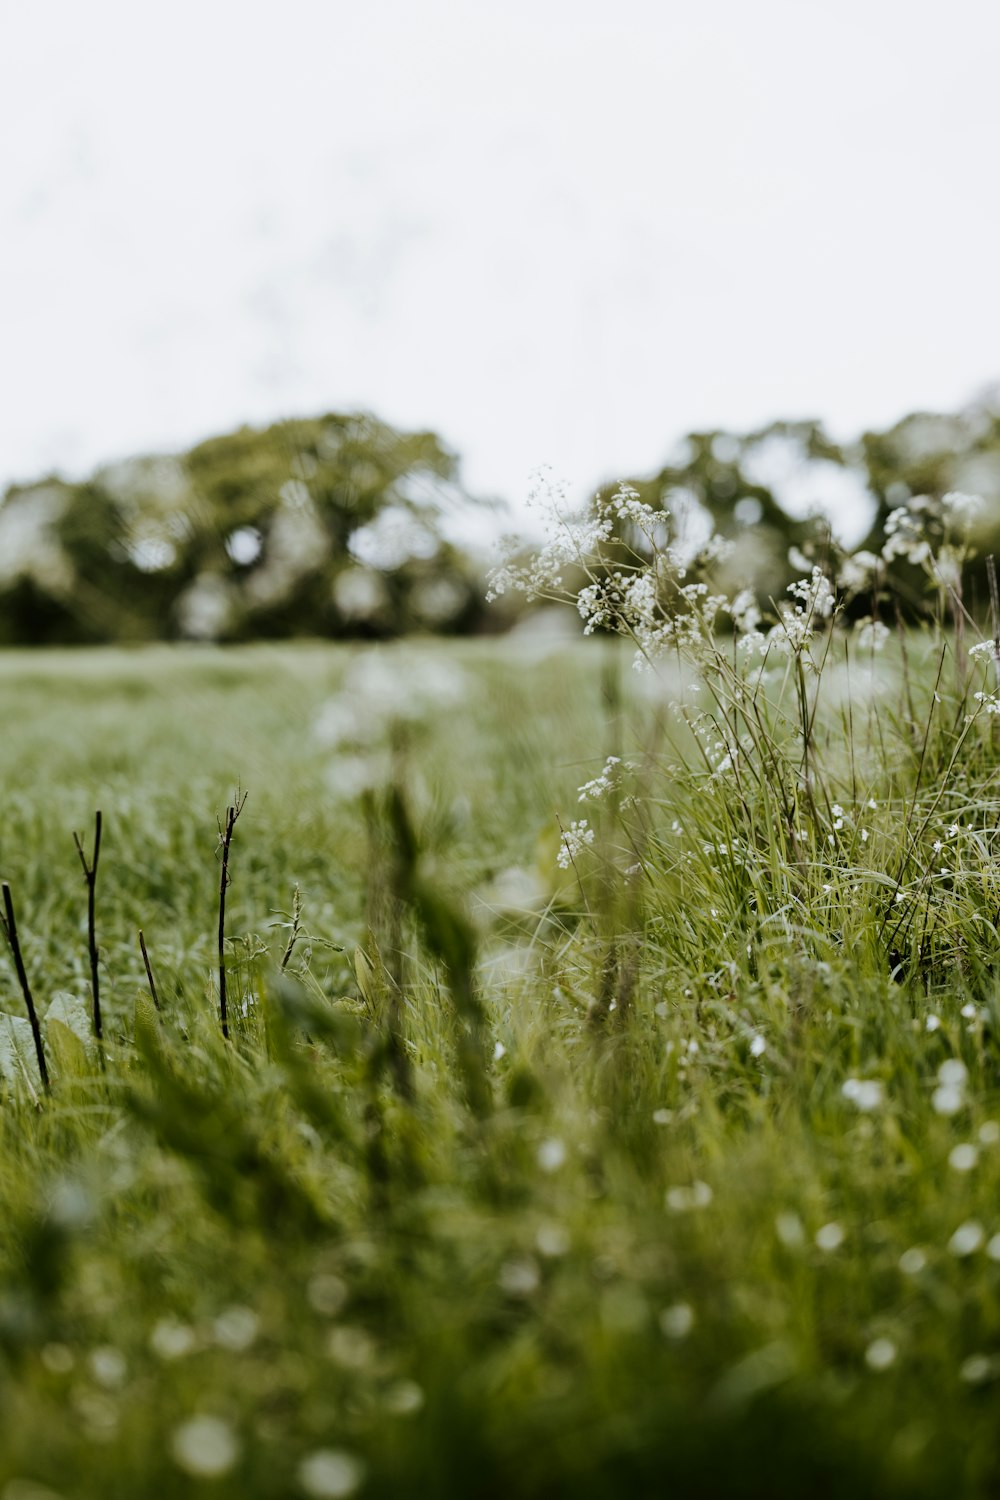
(675, 1171)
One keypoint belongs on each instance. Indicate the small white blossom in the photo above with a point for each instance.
(682, 1200)
(551, 1154)
(947, 1100)
(205, 1447)
(788, 1227)
(330, 1474)
(880, 1354)
(967, 1239)
(171, 1339)
(976, 1369)
(960, 507)
(866, 1094)
(602, 784)
(963, 1158)
(856, 572)
(871, 633)
(830, 1236)
(573, 840)
(676, 1322)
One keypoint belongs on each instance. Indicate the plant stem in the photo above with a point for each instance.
(226, 836)
(10, 930)
(90, 876)
(149, 970)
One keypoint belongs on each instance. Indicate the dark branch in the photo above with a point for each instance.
(10, 932)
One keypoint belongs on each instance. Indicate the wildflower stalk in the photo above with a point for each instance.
(10, 932)
(225, 844)
(90, 877)
(149, 971)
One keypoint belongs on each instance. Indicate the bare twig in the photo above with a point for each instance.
(90, 876)
(991, 574)
(225, 843)
(149, 970)
(10, 932)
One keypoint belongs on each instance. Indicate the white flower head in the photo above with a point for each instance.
(573, 841)
(866, 1094)
(872, 634)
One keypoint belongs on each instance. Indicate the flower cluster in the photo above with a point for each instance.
(573, 841)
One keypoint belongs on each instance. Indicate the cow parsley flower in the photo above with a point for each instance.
(574, 838)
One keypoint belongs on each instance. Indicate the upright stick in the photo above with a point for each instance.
(226, 839)
(10, 931)
(90, 876)
(149, 970)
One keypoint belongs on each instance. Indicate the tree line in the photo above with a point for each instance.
(337, 526)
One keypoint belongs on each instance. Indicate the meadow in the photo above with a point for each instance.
(610, 1099)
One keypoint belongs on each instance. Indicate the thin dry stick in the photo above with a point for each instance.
(90, 876)
(10, 932)
(991, 573)
(226, 839)
(149, 971)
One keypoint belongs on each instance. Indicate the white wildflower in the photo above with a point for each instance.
(676, 1322)
(788, 1227)
(573, 840)
(171, 1339)
(745, 612)
(953, 1073)
(205, 1447)
(551, 1154)
(681, 1200)
(948, 1100)
(236, 1328)
(830, 1236)
(866, 1094)
(856, 572)
(330, 1474)
(960, 507)
(976, 1369)
(880, 1354)
(967, 1239)
(602, 784)
(871, 633)
(963, 1158)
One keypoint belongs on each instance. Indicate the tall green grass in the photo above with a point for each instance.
(664, 1161)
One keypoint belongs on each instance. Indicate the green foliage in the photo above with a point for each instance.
(329, 526)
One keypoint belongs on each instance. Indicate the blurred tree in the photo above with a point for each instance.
(328, 526)
(333, 525)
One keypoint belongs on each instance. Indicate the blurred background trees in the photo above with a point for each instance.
(331, 526)
(341, 526)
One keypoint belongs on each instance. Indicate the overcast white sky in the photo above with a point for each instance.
(557, 232)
